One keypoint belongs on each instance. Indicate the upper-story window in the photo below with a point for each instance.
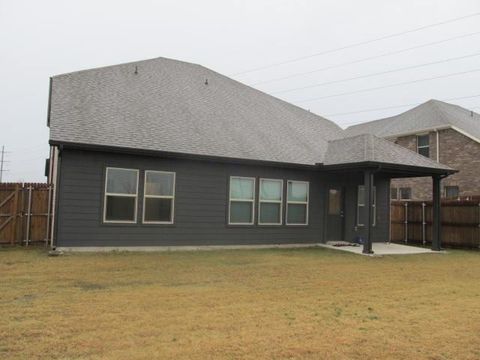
(405, 193)
(452, 192)
(423, 145)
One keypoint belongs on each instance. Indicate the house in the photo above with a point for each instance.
(163, 153)
(446, 133)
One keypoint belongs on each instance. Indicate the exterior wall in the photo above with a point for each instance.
(201, 204)
(457, 151)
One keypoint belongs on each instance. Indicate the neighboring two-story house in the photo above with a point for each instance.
(446, 133)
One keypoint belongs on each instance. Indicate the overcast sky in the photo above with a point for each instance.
(43, 38)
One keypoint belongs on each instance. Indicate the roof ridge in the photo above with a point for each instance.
(124, 63)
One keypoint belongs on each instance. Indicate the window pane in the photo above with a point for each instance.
(120, 208)
(423, 140)
(241, 188)
(451, 191)
(405, 193)
(297, 213)
(361, 195)
(334, 202)
(361, 215)
(297, 191)
(425, 151)
(240, 212)
(157, 183)
(270, 213)
(121, 181)
(270, 190)
(158, 209)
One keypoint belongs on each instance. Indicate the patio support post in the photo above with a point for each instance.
(368, 183)
(436, 226)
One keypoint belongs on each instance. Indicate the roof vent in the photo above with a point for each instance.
(206, 81)
(471, 113)
(136, 70)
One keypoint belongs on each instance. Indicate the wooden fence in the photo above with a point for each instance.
(25, 213)
(411, 222)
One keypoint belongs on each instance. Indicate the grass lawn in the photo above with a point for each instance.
(242, 304)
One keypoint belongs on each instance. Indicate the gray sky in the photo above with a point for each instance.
(43, 38)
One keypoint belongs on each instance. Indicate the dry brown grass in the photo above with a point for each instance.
(281, 304)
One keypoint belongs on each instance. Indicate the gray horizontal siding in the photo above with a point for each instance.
(201, 204)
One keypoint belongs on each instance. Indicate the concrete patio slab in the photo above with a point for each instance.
(384, 249)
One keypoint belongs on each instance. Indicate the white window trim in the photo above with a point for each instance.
(172, 197)
(230, 199)
(450, 186)
(298, 202)
(374, 205)
(116, 194)
(260, 201)
(423, 146)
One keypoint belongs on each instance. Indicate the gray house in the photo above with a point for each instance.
(164, 153)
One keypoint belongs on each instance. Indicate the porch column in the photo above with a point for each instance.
(436, 225)
(368, 183)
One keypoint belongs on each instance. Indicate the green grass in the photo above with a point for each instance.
(248, 304)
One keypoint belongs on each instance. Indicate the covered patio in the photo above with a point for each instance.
(374, 157)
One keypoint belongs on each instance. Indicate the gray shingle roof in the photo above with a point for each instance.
(178, 107)
(369, 148)
(167, 106)
(429, 115)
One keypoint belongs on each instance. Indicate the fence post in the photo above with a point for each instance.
(13, 240)
(406, 222)
(48, 213)
(424, 240)
(29, 207)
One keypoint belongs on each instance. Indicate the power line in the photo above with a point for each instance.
(396, 107)
(356, 44)
(395, 52)
(388, 86)
(376, 74)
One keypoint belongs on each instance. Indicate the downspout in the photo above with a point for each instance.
(438, 147)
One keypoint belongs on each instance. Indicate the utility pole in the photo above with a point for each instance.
(2, 162)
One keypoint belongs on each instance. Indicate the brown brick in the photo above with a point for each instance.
(457, 151)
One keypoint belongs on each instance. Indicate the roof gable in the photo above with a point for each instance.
(433, 114)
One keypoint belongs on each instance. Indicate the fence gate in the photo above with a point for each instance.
(25, 213)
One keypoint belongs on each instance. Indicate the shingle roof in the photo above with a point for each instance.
(429, 115)
(168, 106)
(369, 148)
(178, 107)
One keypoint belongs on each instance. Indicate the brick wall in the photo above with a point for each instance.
(457, 151)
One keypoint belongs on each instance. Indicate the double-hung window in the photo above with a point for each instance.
(121, 195)
(270, 202)
(423, 145)
(361, 206)
(159, 196)
(242, 201)
(297, 202)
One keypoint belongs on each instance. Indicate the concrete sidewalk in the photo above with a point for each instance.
(384, 249)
